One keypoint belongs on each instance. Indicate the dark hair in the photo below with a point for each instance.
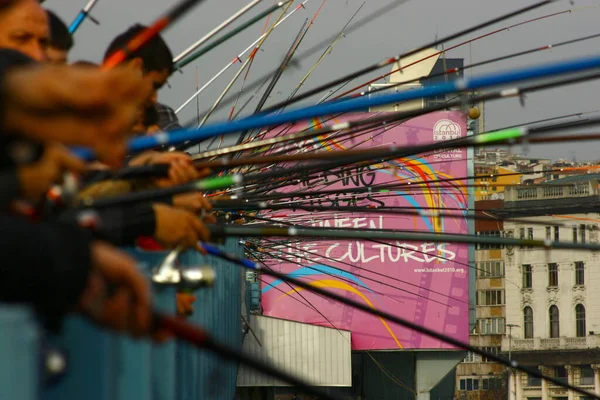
(155, 54)
(60, 38)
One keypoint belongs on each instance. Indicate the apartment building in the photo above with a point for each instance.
(552, 296)
(477, 377)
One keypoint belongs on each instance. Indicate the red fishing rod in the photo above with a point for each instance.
(178, 11)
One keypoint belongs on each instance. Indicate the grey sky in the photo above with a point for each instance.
(408, 26)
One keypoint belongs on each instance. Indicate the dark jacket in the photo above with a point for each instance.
(45, 265)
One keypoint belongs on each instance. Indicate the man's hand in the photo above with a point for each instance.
(75, 106)
(36, 179)
(194, 202)
(179, 227)
(118, 294)
(181, 168)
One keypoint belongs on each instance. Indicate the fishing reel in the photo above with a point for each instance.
(184, 278)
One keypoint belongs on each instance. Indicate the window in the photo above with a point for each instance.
(522, 235)
(579, 273)
(468, 384)
(552, 275)
(494, 350)
(582, 233)
(560, 373)
(489, 298)
(586, 375)
(528, 322)
(491, 383)
(548, 233)
(574, 234)
(491, 326)
(490, 269)
(488, 246)
(472, 358)
(580, 320)
(527, 276)
(556, 233)
(554, 322)
(530, 233)
(533, 381)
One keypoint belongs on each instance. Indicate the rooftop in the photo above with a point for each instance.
(579, 178)
(570, 195)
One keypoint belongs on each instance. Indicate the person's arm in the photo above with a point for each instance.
(120, 226)
(45, 265)
(11, 187)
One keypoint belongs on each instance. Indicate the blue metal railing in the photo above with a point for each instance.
(105, 366)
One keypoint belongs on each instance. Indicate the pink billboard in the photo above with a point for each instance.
(426, 283)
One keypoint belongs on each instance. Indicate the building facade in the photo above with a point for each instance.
(477, 377)
(491, 180)
(552, 296)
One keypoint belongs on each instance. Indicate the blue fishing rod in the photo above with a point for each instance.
(82, 15)
(261, 121)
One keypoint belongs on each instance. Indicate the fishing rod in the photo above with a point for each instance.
(170, 17)
(82, 15)
(349, 281)
(262, 249)
(204, 340)
(246, 63)
(437, 256)
(202, 185)
(327, 51)
(402, 68)
(456, 70)
(392, 318)
(498, 79)
(239, 94)
(309, 176)
(379, 210)
(221, 231)
(231, 34)
(307, 133)
(236, 60)
(386, 9)
(284, 63)
(393, 60)
(215, 31)
(276, 245)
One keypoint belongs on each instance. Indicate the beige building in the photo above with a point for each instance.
(477, 377)
(552, 296)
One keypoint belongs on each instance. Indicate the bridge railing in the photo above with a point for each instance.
(105, 366)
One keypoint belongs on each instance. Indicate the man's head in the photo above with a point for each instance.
(154, 60)
(24, 27)
(61, 41)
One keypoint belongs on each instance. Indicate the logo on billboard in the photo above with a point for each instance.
(445, 129)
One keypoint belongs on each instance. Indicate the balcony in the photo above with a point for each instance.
(562, 343)
(548, 192)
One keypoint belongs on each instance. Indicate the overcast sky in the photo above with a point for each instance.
(410, 25)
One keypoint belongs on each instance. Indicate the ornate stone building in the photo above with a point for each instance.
(553, 296)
